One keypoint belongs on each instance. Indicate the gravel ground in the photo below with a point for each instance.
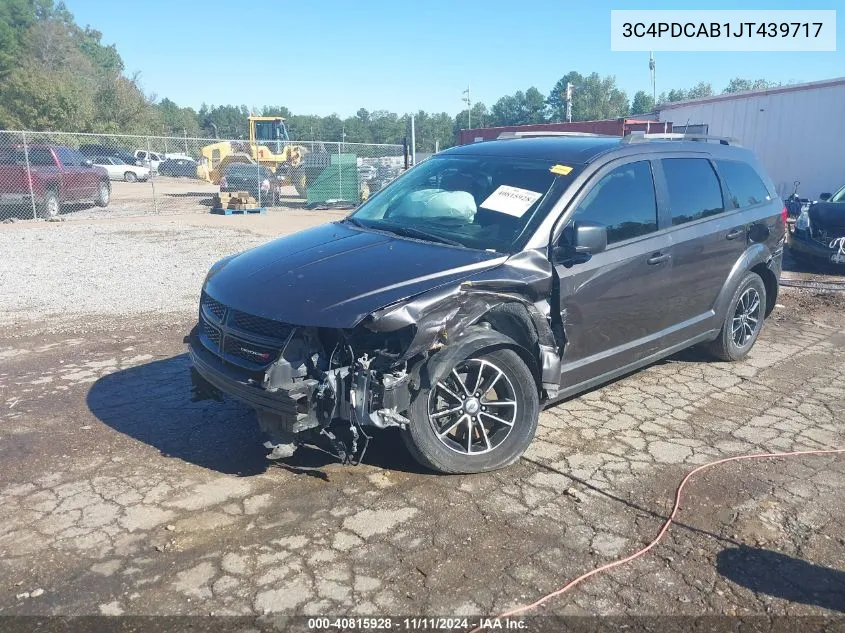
(67, 270)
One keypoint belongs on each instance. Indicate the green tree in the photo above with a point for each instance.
(227, 120)
(738, 84)
(556, 101)
(700, 90)
(177, 121)
(642, 103)
(281, 111)
(598, 98)
(479, 117)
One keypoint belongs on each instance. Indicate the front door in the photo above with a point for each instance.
(615, 306)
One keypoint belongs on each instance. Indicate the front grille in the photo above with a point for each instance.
(241, 339)
(211, 332)
(214, 307)
(261, 326)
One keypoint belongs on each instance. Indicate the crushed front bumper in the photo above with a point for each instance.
(289, 409)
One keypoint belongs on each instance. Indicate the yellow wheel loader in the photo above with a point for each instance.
(269, 145)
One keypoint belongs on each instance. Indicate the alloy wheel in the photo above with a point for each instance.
(473, 409)
(746, 317)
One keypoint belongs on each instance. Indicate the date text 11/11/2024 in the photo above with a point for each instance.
(415, 624)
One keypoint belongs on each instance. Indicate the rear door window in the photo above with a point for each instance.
(694, 189)
(744, 184)
(624, 201)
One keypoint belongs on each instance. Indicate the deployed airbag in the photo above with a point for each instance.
(437, 203)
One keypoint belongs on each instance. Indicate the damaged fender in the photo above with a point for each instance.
(511, 300)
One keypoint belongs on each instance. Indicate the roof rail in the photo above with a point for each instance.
(530, 133)
(642, 137)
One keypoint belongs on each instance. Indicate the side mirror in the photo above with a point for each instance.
(825, 196)
(580, 241)
(589, 237)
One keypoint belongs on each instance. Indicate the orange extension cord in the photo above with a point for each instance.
(663, 530)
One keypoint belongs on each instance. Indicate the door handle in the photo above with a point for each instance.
(658, 258)
(735, 233)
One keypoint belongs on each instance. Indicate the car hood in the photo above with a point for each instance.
(829, 216)
(334, 275)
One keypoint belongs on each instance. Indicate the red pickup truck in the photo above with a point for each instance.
(56, 176)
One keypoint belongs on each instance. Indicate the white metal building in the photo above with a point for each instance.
(798, 131)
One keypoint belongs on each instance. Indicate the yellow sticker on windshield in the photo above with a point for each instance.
(561, 170)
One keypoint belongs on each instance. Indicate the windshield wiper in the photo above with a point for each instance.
(411, 231)
(355, 222)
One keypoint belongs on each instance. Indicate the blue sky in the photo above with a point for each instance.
(321, 57)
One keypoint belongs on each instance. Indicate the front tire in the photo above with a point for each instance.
(476, 415)
(50, 206)
(103, 194)
(130, 176)
(743, 320)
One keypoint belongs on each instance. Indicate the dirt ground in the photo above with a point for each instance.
(121, 495)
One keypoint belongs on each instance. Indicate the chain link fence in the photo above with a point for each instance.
(51, 174)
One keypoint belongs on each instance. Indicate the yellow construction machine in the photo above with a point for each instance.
(269, 145)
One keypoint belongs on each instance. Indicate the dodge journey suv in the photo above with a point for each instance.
(487, 282)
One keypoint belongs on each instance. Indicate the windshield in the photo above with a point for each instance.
(839, 196)
(270, 131)
(481, 202)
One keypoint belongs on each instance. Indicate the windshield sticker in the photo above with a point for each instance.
(561, 170)
(511, 200)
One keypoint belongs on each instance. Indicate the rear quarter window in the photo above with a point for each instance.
(745, 187)
(694, 189)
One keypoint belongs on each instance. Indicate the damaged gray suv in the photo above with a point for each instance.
(487, 282)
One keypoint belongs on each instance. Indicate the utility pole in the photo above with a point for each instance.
(653, 72)
(468, 100)
(569, 88)
(413, 143)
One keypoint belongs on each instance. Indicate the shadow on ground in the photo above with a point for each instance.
(153, 403)
(782, 576)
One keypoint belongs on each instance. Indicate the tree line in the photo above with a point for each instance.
(56, 75)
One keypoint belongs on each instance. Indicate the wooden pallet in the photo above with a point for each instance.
(227, 211)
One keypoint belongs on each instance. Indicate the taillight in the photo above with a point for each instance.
(784, 215)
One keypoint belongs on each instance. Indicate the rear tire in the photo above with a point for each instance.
(454, 413)
(130, 176)
(50, 206)
(743, 320)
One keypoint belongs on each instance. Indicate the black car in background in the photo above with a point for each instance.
(92, 151)
(818, 232)
(253, 178)
(488, 281)
(178, 167)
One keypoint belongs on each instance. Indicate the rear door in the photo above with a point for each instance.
(707, 238)
(615, 306)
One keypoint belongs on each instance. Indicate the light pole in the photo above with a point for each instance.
(569, 89)
(468, 100)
